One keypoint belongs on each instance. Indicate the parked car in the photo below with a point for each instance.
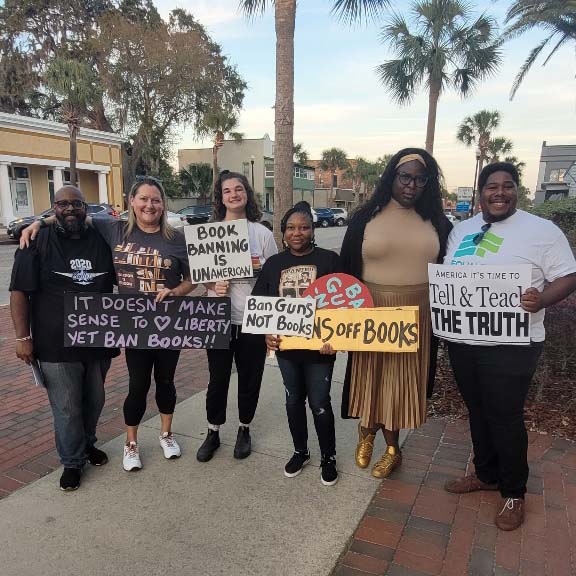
(325, 217)
(197, 214)
(267, 219)
(15, 227)
(341, 216)
(175, 220)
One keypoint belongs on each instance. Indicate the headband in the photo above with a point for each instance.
(410, 158)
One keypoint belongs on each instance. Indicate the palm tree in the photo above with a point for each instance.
(220, 123)
(78, 87)
(443, 47)
(477, 130)
(498, 147)
(518, 163)
(285, 21)
(332, 160)
(556, 17)
(300, 155)
(197, 181)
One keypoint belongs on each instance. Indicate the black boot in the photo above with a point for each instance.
(243, 443)
(209, 446)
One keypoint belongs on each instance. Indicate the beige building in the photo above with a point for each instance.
(34, 163)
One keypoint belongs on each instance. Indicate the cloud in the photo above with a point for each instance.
(207, 12)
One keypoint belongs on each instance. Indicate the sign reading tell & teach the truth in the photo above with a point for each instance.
(277, 315)
(138, 321)
(218, 251)
(479, 303)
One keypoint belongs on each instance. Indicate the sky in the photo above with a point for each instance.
(339, 101)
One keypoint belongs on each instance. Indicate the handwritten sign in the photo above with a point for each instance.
(218, 251)
(283, 316)
(339, 291)
(479, 303)
(138, 321)
(362, 329)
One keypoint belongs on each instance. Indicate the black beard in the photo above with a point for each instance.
(72, 226)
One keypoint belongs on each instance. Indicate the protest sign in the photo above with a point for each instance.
(339, 291)
(218, 251)
(282, 316)
(361, 329)
(479, 303)
(138, 321)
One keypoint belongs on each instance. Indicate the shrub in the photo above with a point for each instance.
(562, 213)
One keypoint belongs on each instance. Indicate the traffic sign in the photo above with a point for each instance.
(463, 207)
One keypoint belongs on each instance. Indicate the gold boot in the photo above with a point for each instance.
(389, 461)
(364, 448)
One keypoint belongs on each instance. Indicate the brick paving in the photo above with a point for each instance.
(27, 449)
(414, 528)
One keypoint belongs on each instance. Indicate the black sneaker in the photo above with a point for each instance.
(70, 479)
(243, 446)
(96, 457)
(296, 463)
(329, 474)
(209, 446)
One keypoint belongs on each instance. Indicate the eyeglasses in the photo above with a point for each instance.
(63, 204)
(480, 236)
(405, 179)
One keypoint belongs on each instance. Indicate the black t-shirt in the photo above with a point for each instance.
(144, 262)
(287, 275)
(52, 266)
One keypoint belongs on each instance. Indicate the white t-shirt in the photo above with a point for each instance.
(520, 239)
(262, 246)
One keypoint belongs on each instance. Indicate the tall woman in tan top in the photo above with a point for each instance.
(389, 243)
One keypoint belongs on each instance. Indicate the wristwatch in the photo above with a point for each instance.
(42, 222)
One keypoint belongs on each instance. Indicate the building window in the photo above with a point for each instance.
(269, 171)
(21, 173)
(334, 181)
(557, 175)
(51, 185)
(246, 169)
(309, 174)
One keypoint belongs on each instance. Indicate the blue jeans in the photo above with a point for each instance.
(312, 381)
(76, 394)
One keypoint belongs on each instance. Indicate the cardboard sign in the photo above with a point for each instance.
(138, 321)
(283, 316)
(479, 303)
(219, 251)
(362, 329)
(339, 291)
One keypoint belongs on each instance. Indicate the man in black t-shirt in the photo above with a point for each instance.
(67, 257)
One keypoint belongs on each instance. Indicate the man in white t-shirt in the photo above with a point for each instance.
(494, 380)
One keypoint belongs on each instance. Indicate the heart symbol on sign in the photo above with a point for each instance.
(161, 322)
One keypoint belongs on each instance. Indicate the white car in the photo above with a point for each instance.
(175, 220)
(340, 215)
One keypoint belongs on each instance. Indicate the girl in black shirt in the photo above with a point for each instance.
(306, 373)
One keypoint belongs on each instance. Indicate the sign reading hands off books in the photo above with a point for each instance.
(218, 251)
(474, 304)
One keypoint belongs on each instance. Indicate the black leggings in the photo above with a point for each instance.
(140, 364)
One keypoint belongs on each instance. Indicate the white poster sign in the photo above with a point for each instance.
(464, 193)
(281, 316)
(218, 251)
(473, 304)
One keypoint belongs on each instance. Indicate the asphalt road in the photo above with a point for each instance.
(330, 238)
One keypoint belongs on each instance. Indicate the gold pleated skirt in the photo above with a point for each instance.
(387, 388)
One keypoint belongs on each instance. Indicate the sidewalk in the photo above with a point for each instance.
(243, 517)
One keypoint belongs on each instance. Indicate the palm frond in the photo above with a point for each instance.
(525, 68)
(560, 43)
(400, 79)
(252, 8)
(350, 11)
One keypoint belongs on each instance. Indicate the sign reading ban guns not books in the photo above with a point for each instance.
(138, 321)
(479, 303)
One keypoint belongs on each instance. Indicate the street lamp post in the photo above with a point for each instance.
(252, 164)
(478, 155)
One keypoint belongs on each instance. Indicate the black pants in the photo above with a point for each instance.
(312, 381)
(140, 364)
(249, 353)
(494, 381)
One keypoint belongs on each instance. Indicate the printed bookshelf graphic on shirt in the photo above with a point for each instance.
(144, 267)
(479, 303)
(294, 281)
(82, 274)
(489, 243)
(219, 251)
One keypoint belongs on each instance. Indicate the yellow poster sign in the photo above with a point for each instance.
(361, 330)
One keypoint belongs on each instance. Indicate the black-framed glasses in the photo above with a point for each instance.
(406, 179)
(63, 204)
(480, 236)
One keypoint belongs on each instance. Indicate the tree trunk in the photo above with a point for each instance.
(73, 153)
(433, 98)
(285, 18)
(214, 169)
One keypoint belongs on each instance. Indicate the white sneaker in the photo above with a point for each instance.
(170, 446)
(131, 460)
